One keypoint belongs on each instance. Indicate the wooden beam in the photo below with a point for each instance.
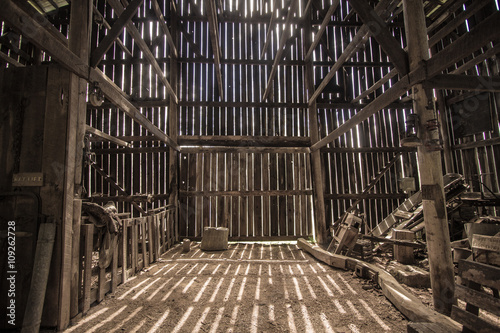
(120, 99)
(108, 26)
(38, 32)
(10, 60)
(96, 132)
(364, 196)
(476, 60)
(464, 82)
(377, 85)
(477, 144)
(136, 35)
(482, 34)
(244, 193)
(322, 29)
(359, 39)
(164, 27)
(382, 35)
(444, 15)
(269, 30)
(389, 96)
(474, 7)
(214, 38)
(253, 150)
(283, 39)
(368, 150)
(115, 31)
(244, 141)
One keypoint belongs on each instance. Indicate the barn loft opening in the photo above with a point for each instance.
(131, 125)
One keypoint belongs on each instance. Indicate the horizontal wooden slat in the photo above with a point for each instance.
(472, 322)
(478, 298)
(486, 275)
(244, 193)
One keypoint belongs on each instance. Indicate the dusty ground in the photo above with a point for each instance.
(248, 288)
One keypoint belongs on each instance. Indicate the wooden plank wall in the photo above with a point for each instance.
(142, 169)
(476, 156)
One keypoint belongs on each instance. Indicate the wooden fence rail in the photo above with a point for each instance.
(142, 241)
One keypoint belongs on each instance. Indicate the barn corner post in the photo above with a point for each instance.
(315, 156)
(431, 176)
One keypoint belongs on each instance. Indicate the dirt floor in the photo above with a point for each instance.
(247, 288)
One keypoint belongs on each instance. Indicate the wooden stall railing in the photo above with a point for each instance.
(142, 241)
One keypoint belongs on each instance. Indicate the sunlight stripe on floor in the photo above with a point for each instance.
(313, 269)
(307, 319)
(374, 315)
(215, 325)
(354, 310)
(272, 317)
(300, 269)
(257, 290)
(202, 290)
(228, 293)
(200, 321)
(321, 267)
(347, 284)
(137, 327)
(242, 288)
(183, 320)
(86, 319)
(291, 252)
(297, 289)
(326, 323)
(335, 285)
(254, 322)
(167, 295)
(160, 321)
(311, 291)
(281, 252)
(150, 297)
(143, 290)
(216, 268)
(232, 253)
(339, 306)
(216, 291)
(251, 251)
(270, 251)
(237, 269)
(227, 269)
(158, 271)
(171, 268)
(234, 316)
(247, 270)
(243, 252)
(353, 328)
(124, 321)
(197, 250)
(191, 269)
(177, 273)
(186, 288)
(291, 321)
(328, 290)
(133, 288)
(290, 269)
(201, 270)
(287, 296)
(261, 251)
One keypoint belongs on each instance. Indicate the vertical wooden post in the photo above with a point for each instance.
(125, 252)
(79, 43)
(431, 174)
(173, 121)
(317, 174)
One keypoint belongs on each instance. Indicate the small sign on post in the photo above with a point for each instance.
(27, 179)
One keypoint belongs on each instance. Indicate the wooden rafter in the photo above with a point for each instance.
(107, 137)
(464, 82)
(269, 30)
(482, 34)
(108, 26)
(214, 38)
(322, 28)
(382, 35)
(44, 40)
(115, 31)
(359, 39)
(136, 35)
(457, 20)
(279, 54)
(10, 60)
(164, 27)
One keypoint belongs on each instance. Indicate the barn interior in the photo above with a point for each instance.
(323, 139)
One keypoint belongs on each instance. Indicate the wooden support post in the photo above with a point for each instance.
(151, 241)
(404, 254)
(75, 258)
(173, 131)
(125, 253)
(321, 229)
(431, 173)
(88, 234)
